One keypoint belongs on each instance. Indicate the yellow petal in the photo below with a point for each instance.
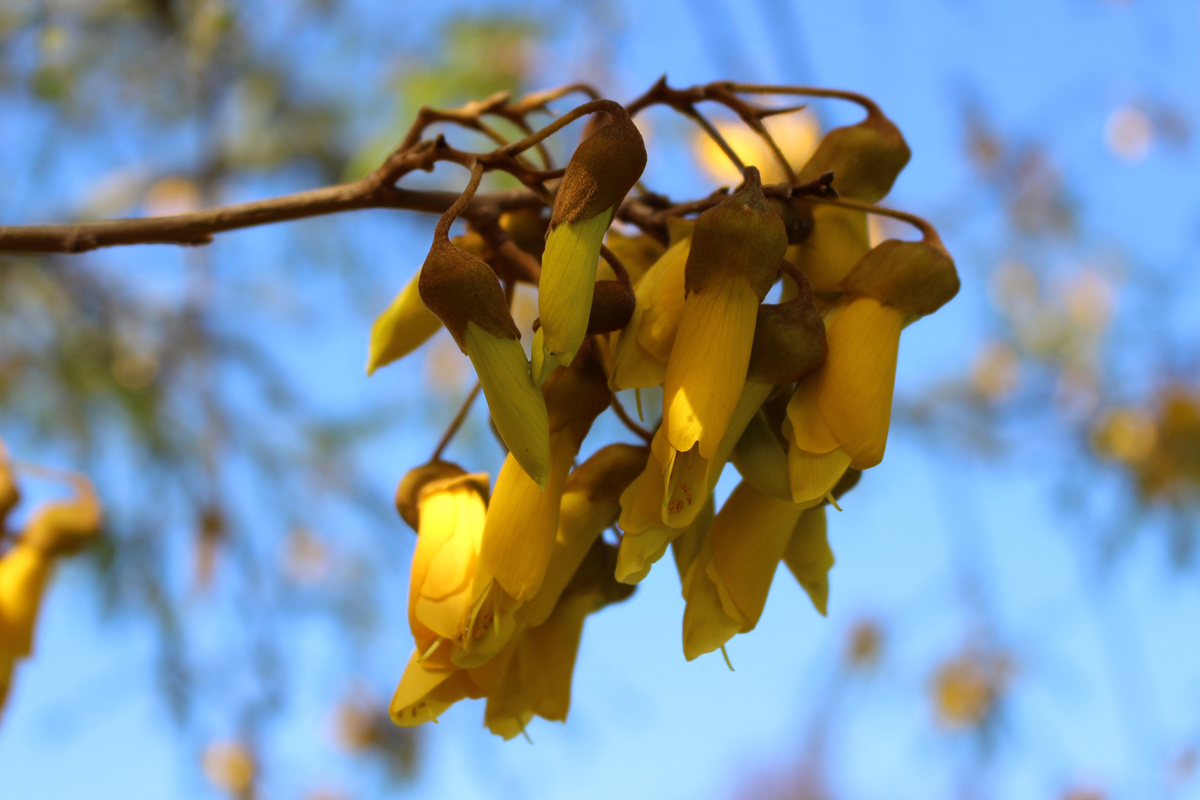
(749, 536)
(634, 367)
(516, 405)
(546, 656)
(424, 693)
(707, 370)
(805, 426)
(23, 572)
(446, 559)
(686, 546)
(567, 284)
(809, 557)
(812, 475)
(663, 300)
(403, 327)
(522, 520)
(580, 523)
(706, 624)
(761, 460)
(854, 386)
(838, 240)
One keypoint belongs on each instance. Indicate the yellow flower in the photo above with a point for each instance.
(23, 572)
(466, 296)
(809, 557)
(565, 292)
(816, 460)
(601, 172)
(590, 503)
(516, 405)
(854, 386)
(748, 538)
(644, 346)
(401, 328)
(425, 691)
(673, 488)
(708, 364)
(446, 567)
(522, 520)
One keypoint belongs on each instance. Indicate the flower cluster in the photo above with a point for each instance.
(796, 394)
(55, 529)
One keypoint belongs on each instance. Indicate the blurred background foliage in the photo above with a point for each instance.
(247, 476)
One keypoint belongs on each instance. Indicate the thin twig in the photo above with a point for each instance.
(927, 230)
(622, 415)
(456, 423)
(614, 262)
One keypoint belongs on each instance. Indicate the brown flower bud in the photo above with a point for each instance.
(459, 288)
(741, 235)
(605, 475)
(613, 303)
(865, 158)
(789, 338)
(917, 278)
(527, 229)
(797, 217)
(420, 480)
(578, 394)
(602, 170)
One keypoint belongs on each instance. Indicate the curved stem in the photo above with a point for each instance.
(808, 91)
(623, 415)
(928, 232)
(590, 107)
(615, 263)
(456, 423)
(442, 230)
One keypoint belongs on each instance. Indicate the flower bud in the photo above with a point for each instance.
(413, 486)
(527, 229)
(917, 278)
(797, 217)
(403, 326)
(865, 158)
(742, 235)
(613, 303)
(460, 288)
(789, 338)
(601, 172)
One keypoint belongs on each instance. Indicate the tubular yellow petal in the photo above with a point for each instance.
(546, 656)
(639, 551)
(424, 693)
(760, 459)
(805, 425)
(446, 559)
(706, 624)
(809, 557)
(580, 521)
(541, 364)
(663, 301)
(493, 624)
(687, 544)
(838, 240)
(854, 386)
(812, 475)
(23, 573)
(517, 406)
(749, 536)
(691, 477)
(707, 370)
(522, 520)
(403, 327)
(634, 367)
(567, 284)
